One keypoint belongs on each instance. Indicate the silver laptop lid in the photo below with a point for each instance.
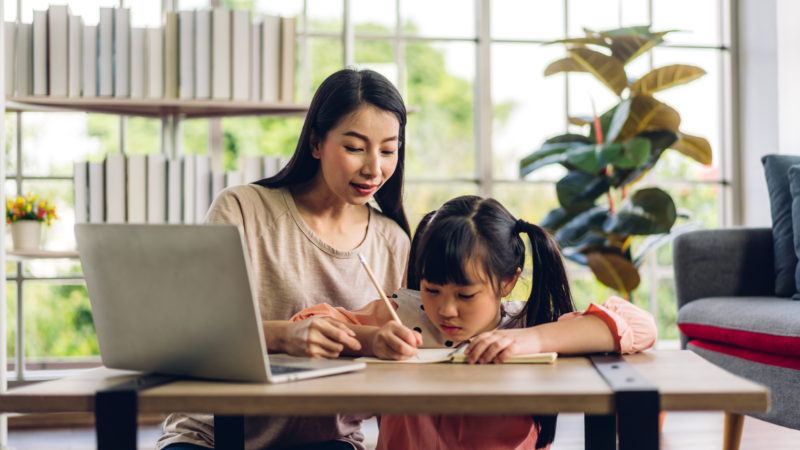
(174, 299)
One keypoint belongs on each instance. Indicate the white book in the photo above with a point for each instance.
(233, 178)
(137, 188)
(122, 52)
(189, 189)
(217, 184)
(171, 56)
(287, 59)
(221, 54)
(186, 53)
(252, 168)
(138, 74)
(255, 60)
(115, 188)
(10, 46)
(202, 56)
(80, 181)
(174, 190)
(97, 200)
(156, 188)
(155, 62)
(58, 50)
(40, 53)
(272, 165)
(24, 60)
(270, 59)
(75, 59)
(89, 61)
(105, 53)
(240, 55)
(202, 186)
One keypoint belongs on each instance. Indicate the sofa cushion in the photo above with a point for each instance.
(776, 170)
(765, 324)
(794, 189)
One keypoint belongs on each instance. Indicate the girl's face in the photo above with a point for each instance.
(359, 154)
(464, 311)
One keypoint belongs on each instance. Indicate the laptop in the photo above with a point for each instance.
(178, 300)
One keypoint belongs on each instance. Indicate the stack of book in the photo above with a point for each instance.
(139, 188)
(219, 54)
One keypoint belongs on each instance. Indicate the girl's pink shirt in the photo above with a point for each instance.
(633, 328)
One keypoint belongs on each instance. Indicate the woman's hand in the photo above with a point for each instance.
(319, 337)
(499, 345)
(394, 341)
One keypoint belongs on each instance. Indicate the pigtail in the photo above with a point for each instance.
(550, 295)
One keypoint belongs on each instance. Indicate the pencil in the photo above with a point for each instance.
(380, 291)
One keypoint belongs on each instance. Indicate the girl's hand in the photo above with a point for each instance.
(499, 345)
(319, 337)
(394, 341)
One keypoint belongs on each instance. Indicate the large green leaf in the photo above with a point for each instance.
(567, 64)
(647, 211)
(614, 270)
(578, 190)
(634, 153)
(584, 158)
(607, 69)
(666, 77)
(556, 218)
(574, 230)
(694, 147)
(649, 114)
(551, 152)
(577, 252)
(659, 141)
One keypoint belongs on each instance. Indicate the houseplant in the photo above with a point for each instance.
(598, 215)
(25, 214)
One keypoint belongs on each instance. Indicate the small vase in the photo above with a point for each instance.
(26, 234)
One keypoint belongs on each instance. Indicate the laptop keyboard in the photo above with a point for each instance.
(279, 370)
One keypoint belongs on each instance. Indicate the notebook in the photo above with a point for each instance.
(178, 300)
(448, 355)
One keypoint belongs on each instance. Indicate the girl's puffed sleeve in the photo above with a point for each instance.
(374, 313)
(634, 329)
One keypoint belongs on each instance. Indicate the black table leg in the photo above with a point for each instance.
(116, 410)
(636, 401)
(228, 432)
(600, 432)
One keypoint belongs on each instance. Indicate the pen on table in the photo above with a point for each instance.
(380, 291)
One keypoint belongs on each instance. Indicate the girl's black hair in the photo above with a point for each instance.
(472, 229)
(340, 94)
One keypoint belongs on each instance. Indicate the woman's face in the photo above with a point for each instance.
(359, 154)
(463, 311)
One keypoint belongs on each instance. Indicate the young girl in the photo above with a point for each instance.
(465, 257)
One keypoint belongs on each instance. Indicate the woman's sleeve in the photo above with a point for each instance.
(374, 313)
(633, 328)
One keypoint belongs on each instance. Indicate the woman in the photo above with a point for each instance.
(305, 228)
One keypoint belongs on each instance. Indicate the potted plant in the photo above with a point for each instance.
(25, 215)
(599, 213)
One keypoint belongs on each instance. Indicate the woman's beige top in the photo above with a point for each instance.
(294, 269)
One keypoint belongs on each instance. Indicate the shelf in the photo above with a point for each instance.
(155, 107)
(27, 255)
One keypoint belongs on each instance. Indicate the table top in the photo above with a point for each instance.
(685, 382)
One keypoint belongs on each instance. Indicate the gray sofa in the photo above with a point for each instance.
(729, 314)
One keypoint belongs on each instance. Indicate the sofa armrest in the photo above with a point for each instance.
(727, 262)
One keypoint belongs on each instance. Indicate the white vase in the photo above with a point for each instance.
(26, 234)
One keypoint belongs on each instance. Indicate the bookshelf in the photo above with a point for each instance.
(162, 107)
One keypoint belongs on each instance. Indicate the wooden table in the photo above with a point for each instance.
(684, 382)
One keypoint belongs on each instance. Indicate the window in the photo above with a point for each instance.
(429, 48)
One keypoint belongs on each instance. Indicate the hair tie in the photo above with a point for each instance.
(520, 226)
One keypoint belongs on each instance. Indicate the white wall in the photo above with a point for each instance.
(769, 98)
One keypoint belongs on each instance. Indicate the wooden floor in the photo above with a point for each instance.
(684, 431)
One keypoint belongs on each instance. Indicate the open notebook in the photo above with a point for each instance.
(448, 355)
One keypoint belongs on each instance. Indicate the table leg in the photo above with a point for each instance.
(228, 432)
(600, 432)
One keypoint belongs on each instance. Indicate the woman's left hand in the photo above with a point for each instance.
(498, 345)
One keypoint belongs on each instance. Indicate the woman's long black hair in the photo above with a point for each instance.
(472, 229)
(340, 94)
